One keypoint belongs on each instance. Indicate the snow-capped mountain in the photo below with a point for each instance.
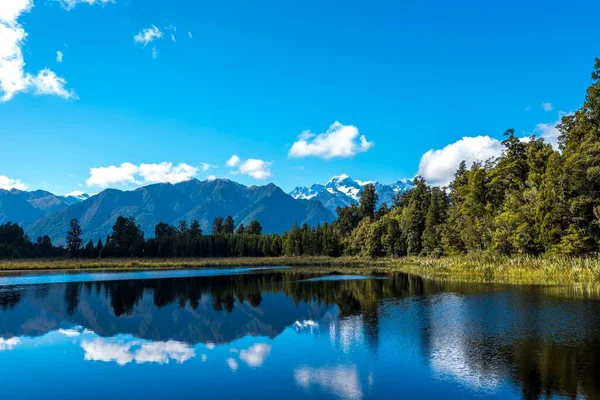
(75, 196)
(342, 191)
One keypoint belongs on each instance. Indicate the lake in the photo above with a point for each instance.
(288, 333)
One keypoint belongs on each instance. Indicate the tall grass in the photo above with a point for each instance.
(470, 268)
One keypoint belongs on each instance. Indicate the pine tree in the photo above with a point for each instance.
(73, 238)
(228, 225)
(217, 226)
(368, 201)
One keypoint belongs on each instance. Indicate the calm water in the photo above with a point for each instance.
(281, 333)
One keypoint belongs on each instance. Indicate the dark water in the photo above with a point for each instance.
(283, 334)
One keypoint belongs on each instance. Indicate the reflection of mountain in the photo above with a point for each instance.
(215, 309)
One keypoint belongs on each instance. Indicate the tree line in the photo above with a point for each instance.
(533, 199)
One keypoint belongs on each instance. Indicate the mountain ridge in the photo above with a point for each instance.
(43, 213)
(342, 190)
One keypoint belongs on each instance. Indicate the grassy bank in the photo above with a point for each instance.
(473, 268)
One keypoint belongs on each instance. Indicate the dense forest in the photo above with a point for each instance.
(533, 199)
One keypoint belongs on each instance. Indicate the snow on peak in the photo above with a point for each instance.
(338, 178)
(78, 194)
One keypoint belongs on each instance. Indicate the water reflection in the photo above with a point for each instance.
(350, 339)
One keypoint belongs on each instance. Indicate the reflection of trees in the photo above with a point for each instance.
(525, 347)
(529, 347)
(9, 297)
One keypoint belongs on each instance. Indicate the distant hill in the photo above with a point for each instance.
(344, 191)
(164, 202)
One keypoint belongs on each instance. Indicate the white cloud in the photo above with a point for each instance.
(233, 161)
(547, 107)
(209, 345)
(211, 178)
(123, 352)
(232, 363)
(256, 354)
(166, 172)
(154, 52)
(173, 37)
(342, 381)
(338, 141)
(13, 78)
(148, 35)
(258, 169)
(59, 56)
(190, 34)
(7, 183)
(74, 193)
(69, 4)
(548, 132)
(439, 166)
(8, 344)
(112, 175)
(206, 166)
(128, 173)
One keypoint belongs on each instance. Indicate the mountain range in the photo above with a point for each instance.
(43, 213)
(341, 191)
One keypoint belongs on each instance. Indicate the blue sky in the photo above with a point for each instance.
(252, 78)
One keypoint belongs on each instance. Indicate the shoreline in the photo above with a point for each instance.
(472, 268)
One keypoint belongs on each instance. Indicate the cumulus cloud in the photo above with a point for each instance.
(128, 173)
(439, 166)
(211, 178)
(13, 77)
(8, 344)
(148, 35)
(256, 354)
(338, 141)
(547, 107)
(7, 183)
(59, 56)
(113, 175)
(258, 169)
(140, 352)
(166, 172)
(233, 161)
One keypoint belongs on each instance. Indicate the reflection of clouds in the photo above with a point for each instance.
(256, 354)
(341, 381)
(348, 331)
(232, 363)
(209, 346)
(451, 353)
(306, 325)
(69, 332)
(203, 357)
(8, 344)
(123, 352)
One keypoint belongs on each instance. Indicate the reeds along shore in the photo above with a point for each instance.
(471, 268)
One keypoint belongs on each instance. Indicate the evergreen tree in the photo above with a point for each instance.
(254, 228)
(240, 230)
(73, 238)
(368, 201)
(217, 226)
(228, 225)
